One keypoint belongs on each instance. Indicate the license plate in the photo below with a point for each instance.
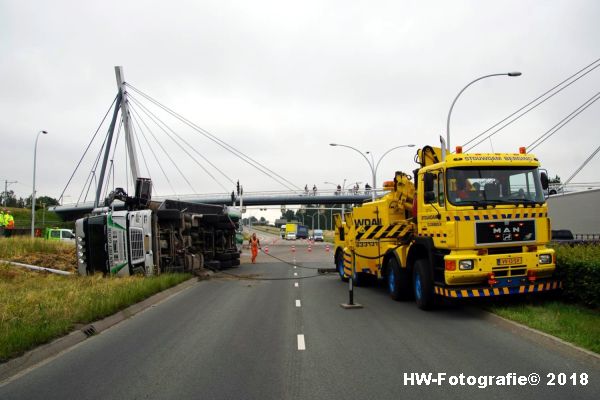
(510, 261)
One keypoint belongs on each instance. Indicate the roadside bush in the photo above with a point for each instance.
(579, 268)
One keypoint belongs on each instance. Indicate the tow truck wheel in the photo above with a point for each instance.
(423, 285)
(340, 267)
(398, 281)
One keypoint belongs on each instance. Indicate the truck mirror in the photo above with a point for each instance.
(428, 181)
(429, 197)
(544, 179)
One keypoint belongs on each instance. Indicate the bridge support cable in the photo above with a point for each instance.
(86, 149)
(111, 130)
(543, 98)
(244, 157)
(92, 175)
(582, 166)
(137, 140)
(111, 170)
(155, 119)
(138, 119)
(156, 159)
(158, 123)
(546, 135)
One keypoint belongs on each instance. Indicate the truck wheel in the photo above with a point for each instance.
(398, 281)
(340, 267)
(423, 285)
(359, 279)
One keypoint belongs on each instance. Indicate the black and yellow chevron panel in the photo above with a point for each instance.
(492, 216)
(498, 291)
(347, 263)
(383, 231)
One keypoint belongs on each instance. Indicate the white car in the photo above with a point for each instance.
(290, 236)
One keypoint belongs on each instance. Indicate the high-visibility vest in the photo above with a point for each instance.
(1, 219)
(11, 222)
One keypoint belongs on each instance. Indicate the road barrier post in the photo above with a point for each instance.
(351, 304)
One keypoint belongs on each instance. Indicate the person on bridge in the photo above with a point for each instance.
(254, 246)
(314, 190)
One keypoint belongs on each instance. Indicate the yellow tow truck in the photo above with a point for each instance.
(463, 225)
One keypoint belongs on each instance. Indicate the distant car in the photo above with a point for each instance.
(318, 235)
(290, 236)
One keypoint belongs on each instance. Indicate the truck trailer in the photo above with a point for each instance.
(135, 235)
(462, 226)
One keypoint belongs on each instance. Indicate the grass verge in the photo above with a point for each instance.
(36, 308)
(573, 323)
(40, 252)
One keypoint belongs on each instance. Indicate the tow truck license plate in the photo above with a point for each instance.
(510, 261)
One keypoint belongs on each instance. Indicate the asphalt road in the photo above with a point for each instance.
(238, 338)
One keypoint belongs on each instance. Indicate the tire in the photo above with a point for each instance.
(398, 281)
(423, 285)
(359, 279)
(339, 262)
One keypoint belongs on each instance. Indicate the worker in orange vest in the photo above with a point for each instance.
(254, 246)
(9, 221)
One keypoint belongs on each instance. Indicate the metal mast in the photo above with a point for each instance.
(133, 162)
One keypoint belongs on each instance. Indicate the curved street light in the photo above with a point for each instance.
(33, 192)
(371, 162)
(458, 95)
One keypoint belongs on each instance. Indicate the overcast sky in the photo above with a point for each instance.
(280, 80)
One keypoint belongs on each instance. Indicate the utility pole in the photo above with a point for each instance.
(133, 162)
(5, 199)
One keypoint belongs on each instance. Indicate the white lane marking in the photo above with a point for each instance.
(301, 344)
(295, 274)
(297, 303)
(294, 267)
(296, 284)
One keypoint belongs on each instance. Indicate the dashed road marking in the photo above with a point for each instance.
(298, 303)
(296, 284)
(295, 274)
(301, 344)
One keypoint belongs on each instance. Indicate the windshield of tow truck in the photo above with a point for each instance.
(502, 185)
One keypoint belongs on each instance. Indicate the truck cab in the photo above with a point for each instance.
(482, 227)
(117, 243)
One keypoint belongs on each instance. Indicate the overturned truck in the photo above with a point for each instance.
(141, 236)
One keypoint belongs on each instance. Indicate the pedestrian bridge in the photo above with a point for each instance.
(69, 212)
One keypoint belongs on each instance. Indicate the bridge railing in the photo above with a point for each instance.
(272, 193)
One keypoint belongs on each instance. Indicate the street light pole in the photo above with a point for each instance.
(365, 157)
(371, 162)
(381, 158)
(458, 95)
(33, 192)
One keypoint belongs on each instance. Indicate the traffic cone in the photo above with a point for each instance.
(309, 248)
(293, 249)
(327, 248)
(266, 249)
